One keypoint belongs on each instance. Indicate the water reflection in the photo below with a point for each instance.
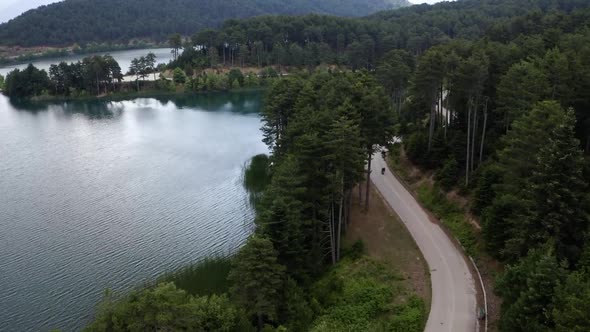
(243, 102)
(110, 194)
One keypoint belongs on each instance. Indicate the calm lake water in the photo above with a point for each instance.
(97, 195)
(163, 55)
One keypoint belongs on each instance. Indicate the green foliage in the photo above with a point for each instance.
(294, 310)
(143, 66)
(447, 175)
(165, 85)
(417, 147)
(257, 279)
(356, 251)
(166, 307)
(451, 215)
(204, 278)
(26, 83)
(179, 76)
(484, 192)
(235, 76)
(91, 21)
(521, 88)
(359, 296)
(257, 177)
(528, 289)
(408, 316)
(93, 75)
(542, 194)
(572, 304)
(558, 193)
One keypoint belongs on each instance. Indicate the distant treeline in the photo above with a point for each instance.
(101, 75)
(360, 43)
(114, 21)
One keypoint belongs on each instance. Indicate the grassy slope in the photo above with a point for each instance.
(386, 290)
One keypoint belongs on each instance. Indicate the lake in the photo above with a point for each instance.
(163, 55)
(99, 194)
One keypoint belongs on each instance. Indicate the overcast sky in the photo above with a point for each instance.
(12, 8)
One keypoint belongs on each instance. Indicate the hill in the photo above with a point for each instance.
(81, 21)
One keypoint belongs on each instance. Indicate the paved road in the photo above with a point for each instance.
(453, 307)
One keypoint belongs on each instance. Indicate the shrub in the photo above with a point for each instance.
(179, 76)
(447, 175)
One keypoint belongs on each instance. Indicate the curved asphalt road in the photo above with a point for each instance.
(453, 307)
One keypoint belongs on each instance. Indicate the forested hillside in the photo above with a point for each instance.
(82, 21)
(490, 97)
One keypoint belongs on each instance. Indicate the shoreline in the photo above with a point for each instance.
(55, 53)
(132, 95)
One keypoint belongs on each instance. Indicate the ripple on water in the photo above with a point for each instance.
(89, 203)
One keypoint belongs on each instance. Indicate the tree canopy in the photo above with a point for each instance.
(83, 21)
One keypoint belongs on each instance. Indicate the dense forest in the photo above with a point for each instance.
(489, 96)
(492, 97)
(322, 129)
(84, 21)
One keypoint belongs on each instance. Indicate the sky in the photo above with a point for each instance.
(12, 8)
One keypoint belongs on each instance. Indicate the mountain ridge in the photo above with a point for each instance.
(83, 21)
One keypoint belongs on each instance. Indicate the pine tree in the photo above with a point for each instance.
(257, 279)
(558, 191)
(527, 289)
(281, 218)
(572, 304)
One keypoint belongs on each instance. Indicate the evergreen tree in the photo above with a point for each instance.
(527, 289)
(558, 193)
(257, 279)
(572, 304)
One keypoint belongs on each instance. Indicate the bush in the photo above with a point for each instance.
(417, 147)
(179, 76)
(409, 316)
(450, 214)
(358, 295)
(204, 278)
(167, 308)
(165, 85)
(356, 251)
(447, 175)
(235, 76)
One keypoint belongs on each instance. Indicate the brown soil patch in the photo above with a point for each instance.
(386, 239)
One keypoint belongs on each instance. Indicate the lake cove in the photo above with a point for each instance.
(100, 194)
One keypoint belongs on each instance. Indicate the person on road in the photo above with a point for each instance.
(383, 170)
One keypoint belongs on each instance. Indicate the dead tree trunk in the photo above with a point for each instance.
(431, 129)
(332, 234)
(483, 132)
(339, 228)
(368, 182)
(474, 133)
(468, 141)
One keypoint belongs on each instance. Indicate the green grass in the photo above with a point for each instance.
(451, 215)
(204, 278)
(366, 295)
(395, 162)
